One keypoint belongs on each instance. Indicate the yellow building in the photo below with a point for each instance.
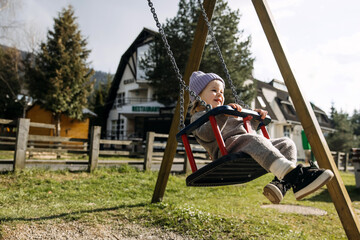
(68, 127)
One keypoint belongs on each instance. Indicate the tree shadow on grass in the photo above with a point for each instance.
(324, 196)
(61, 215)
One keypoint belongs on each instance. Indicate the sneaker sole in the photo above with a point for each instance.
(272, 193)
(320, 181)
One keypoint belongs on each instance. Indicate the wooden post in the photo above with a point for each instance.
(187, 168)
(192, 65)
(150, 136)
(346, 162)
(322, 153)
(338, 160)
(22, 135)
(94, 148)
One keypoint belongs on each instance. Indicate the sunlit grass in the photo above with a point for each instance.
(232, 212)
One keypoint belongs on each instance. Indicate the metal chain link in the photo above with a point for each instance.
(182, 84)
(217, 48)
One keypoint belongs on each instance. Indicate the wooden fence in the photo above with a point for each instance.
(155, 147)
(27, 146)
(342, 160)
(29, 149)
(152, 150)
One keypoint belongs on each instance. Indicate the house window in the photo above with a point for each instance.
(121, 128)
(321, 118)
(113, 128)
(120, 99)
(141, 51)
(261, 101)
(286, 131)
(117, 128)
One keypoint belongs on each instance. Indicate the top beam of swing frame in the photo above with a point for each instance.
(192, 65)
(311, 127)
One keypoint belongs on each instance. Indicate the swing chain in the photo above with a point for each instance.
(182, 84)
(226, 71)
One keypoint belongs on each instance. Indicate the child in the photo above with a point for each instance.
(277, 156)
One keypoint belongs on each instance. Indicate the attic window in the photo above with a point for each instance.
(321, 118)
(261, 101)
(287, 106)
(141, 51)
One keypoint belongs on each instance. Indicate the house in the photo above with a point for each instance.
(274, 98)
(132, 110)
(68, 127)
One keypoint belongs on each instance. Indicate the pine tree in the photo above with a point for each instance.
(60, 77)
(97, 102)
(180, 32)
(343, 138)
(11, 106)
(355, 123)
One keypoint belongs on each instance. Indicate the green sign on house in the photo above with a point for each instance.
(145, 109)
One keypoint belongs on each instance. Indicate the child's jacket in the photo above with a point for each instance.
(230, 128)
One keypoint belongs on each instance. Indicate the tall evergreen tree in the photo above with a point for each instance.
(355, 123)
(342, 139)
(12, 100)
(180, 33)
(97, 102)
(60, 78)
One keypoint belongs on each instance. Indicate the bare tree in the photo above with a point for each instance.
(8, 23)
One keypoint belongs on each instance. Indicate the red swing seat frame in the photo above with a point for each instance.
(227, 158)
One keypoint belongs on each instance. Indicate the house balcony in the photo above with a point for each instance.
(131, 101)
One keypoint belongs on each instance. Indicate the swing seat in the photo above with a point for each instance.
(235, 168)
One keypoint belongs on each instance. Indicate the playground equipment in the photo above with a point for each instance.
(230, 168)
(306, 115)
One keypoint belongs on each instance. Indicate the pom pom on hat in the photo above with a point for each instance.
(199, 80)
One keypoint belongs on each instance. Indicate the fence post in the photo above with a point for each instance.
(187, 168)
(94, 148)
(338, 160)
(346, 162)
(22, 135)
(150, 136)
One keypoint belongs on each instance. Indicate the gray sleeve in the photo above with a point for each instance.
(205, 132)
(255, 124)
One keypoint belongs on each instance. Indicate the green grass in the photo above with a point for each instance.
(6, 154)
(73, 156)
(232, 212)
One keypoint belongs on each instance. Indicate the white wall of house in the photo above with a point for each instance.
(134, 98)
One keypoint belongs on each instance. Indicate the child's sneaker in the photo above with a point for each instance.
(276, 190)
(306, 180)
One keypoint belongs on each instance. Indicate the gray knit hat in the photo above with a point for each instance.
(199, 80)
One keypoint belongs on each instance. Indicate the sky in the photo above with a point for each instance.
(321, 39)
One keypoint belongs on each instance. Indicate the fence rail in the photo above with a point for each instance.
(30, 149)
(152, 150)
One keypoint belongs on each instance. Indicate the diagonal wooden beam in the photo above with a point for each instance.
(322, 153)
(192, 65)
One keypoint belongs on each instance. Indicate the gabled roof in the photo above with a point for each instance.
(284, 103)
(140, 40)
(267, 108)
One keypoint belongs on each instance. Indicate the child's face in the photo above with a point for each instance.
(213, 93)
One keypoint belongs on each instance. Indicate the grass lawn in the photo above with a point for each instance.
(231, 212)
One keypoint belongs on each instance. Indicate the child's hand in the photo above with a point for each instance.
(262, 113)
(235, 106)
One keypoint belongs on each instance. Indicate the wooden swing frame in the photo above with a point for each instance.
(336, 188)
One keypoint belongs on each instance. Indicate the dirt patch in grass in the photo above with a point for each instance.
(304, 210)
(120, 229)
